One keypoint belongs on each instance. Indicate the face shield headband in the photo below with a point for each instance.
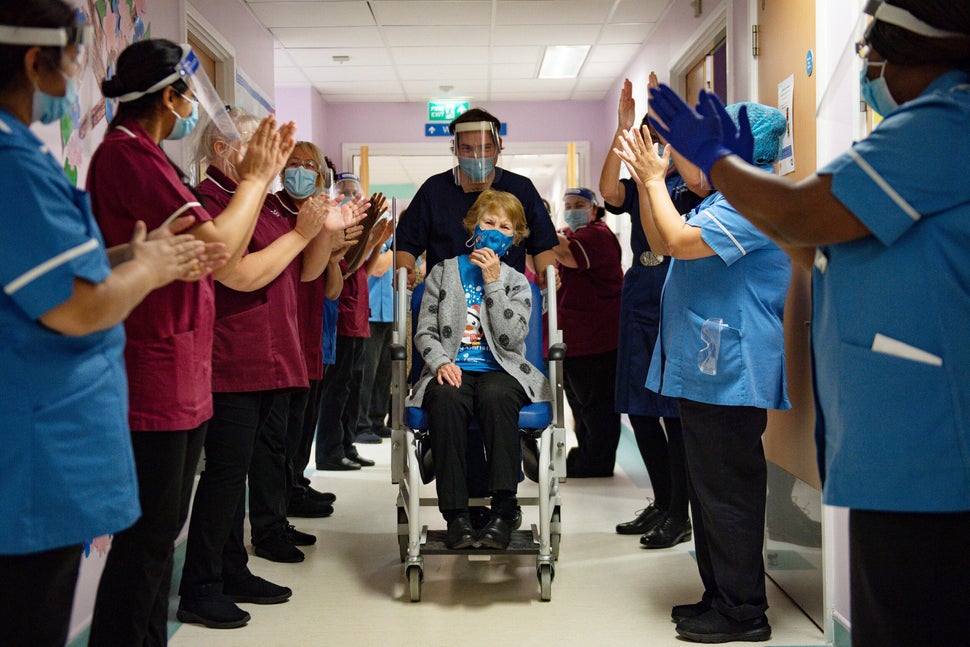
(191, 72)
(346, 184)
(476, 160)
(582, 193)
(80, 36)
(885, 12)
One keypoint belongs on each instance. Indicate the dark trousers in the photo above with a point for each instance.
(590, 385)
(727, 481)
(301, 459)
(494, 400)
(216, 552)
(299, 401)
(910, 578)
(375, 386)
(269, 479)
(663, 454)
(37, 591)
(340, 402)
(132, 603)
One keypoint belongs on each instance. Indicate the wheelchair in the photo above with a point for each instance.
(542, 436)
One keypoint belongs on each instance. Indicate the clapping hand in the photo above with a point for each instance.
(639, 155)
(698, 137)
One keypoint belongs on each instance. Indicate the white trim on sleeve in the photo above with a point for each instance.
(882, 184)
(5, 128)
(178, 212)
(50, 264)
(126, 131)
(727, 233)
(583, 250)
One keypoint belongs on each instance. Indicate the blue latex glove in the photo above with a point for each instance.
(697, 137)
(739, 139)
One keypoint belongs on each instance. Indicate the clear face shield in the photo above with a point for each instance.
(346, 185)
(578, 207)
(842, 97)
(75, 42)
(192, 73)
(476, 148)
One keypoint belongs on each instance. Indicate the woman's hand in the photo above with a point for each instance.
(489, 261)
(259, 162)
(343, 240)
(449, 373)
(171, 258)
(214, 255)
(347, 215)
(311, 217)
(626, 111)
(639, 155)
(287, 142)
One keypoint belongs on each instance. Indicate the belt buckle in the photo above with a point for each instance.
(649, 259)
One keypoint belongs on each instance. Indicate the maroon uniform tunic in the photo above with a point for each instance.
(257, 340)
(353, 318)
(589, 299)
(168, 354)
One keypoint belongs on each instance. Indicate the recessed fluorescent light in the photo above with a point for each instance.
(562, 61)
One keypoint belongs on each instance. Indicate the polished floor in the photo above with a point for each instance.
(607, 590)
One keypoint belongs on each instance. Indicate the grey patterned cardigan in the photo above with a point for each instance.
(505, 320)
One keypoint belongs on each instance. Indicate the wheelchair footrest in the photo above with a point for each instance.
(521, 544)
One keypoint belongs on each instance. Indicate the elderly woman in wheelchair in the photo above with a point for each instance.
(471, 332)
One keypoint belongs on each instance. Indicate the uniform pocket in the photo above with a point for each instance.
(713, 357)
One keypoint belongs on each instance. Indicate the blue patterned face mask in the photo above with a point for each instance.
(492, 239)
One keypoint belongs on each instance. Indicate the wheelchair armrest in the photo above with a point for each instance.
(557, 352)
(398, 352)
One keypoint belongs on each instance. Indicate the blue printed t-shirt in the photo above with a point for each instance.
(67, 474)
(744, 285)
(893, 422)
(474, 354)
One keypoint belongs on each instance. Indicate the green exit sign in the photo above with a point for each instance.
(446, 110)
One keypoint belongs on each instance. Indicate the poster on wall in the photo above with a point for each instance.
(786, 92)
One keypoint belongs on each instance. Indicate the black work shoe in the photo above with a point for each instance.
(669, 533)
(480, 516)
(461, 533)
(278, 549)
(215, 613)
(325, 497)
(368, 438)
(298, 538)
(496, 534)
(342, 464)
(308, 508)
(256, 590)
(645, 521)
(360, 460)
(683, 611)
(714, 627)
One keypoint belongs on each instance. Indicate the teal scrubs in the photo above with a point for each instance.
(67, 473)
(724, 312)
(891, 321)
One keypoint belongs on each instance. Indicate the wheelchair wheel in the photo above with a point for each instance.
(414, 576)
(555, 537)
(545, 574)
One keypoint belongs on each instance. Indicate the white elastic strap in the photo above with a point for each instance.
(901, 18)
(49, 265)
(167, 81)
(882, 184)
(728, 234)
(582, 249)
(45, 36)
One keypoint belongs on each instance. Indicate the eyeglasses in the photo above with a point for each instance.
(310, 165)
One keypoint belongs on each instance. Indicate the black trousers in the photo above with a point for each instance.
(590, 385)
(299, 401)
(910, 578)
(727, 485)
(216, 552)
(132, 602)
(494, 400)
(301, 459)
(37, 591)
(663, 455)
(375, 387)
(340, 402)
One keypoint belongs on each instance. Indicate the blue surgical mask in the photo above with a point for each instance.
(477, 168)
(875, 92)
(300, 182)
(47, 108)
(576, 218)
(493, 239)
(185, 125)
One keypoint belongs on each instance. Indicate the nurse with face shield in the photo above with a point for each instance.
(889, 225)
(66, 469)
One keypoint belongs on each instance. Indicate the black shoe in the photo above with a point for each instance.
(461, 534)
(343, 464)
(256, 590)
(308, 508)
(215, 613)
(368, 438)
(496, 534)
(480, 516)
(645, 521)
(278, 549)
(324, 497)
(360, 460)
(715, 627)
(669, 533)
(298, 538)
(684, 611)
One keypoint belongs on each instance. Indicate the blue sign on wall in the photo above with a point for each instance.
(809, 62)
(441, 130)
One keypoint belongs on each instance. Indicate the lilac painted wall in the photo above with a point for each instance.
(295, 104)
(253, 42)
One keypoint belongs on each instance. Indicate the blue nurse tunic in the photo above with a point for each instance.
(67, 473)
